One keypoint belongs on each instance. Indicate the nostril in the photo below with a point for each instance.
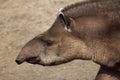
(18, 61)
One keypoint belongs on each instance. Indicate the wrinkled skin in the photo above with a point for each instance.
(92, 37)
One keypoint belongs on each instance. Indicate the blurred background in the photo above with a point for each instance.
(20, 21)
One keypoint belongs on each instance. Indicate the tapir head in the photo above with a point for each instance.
(80, 31)
(57, 45)
(69, 38)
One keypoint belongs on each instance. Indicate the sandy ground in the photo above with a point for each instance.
(20, 21)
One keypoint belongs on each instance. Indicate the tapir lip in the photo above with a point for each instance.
(33, 60)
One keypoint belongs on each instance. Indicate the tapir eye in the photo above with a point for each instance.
(49, 43)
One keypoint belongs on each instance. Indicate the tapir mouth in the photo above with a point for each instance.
(33, 60)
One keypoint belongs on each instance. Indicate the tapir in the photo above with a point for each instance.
(88, 30)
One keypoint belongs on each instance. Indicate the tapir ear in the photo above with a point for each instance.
(66, 20)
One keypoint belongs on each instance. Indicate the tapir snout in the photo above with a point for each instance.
(19, 61)
(30, 52)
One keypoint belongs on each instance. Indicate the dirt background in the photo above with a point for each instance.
(20, 21)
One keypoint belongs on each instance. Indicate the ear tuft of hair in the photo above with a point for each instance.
(66, 20)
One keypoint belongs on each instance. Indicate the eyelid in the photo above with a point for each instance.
(46, 40)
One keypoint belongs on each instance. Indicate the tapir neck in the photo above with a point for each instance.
(84, 52)
(103, 53)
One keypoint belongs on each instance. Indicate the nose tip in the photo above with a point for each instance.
(18, 61)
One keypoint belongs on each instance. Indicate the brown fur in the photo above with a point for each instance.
(95, 35)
